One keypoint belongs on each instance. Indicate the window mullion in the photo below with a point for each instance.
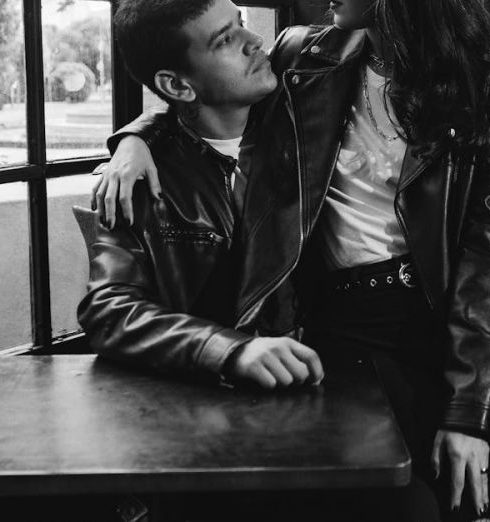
(38, 208)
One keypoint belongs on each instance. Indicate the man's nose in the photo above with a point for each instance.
(254, 43)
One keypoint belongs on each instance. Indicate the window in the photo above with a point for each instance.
(63, 89)
(77, 77)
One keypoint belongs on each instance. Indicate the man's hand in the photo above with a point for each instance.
(131, 161)
(276, 362)
(465, 457)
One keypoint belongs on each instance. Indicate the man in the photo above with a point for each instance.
(401, 246)
(162, 292)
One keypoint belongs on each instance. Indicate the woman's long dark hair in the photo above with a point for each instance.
(441, 71)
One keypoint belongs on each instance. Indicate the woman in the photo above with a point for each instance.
(374, 152)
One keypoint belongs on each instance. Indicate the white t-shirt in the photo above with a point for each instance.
(358, 219)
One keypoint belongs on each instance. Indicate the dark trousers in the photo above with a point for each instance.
(396, 329)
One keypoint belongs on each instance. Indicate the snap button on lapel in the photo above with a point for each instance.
(295, 79)
(315, 49)
(487, 202)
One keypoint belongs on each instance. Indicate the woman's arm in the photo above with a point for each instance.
(131, 160)
(463, 441)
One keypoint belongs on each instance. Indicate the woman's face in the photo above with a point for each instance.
(353, 14)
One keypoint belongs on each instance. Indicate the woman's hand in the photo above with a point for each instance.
(131, 161)
(465, 457)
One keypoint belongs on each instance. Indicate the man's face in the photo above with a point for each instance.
(226, 64)
(353, 14)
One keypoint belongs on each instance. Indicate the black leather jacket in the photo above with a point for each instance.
(443, 210)
(161, 293)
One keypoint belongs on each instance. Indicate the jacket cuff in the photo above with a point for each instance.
(467, 417)
(219, 347)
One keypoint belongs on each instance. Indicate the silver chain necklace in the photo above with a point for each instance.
(369, 108)
(379, 63)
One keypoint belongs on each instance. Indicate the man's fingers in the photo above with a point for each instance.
(295, 367)
(264, 377)
(154, 182)
(126, 199)
(457, 480)
(110, 201)
(282, 376)
(311, 359)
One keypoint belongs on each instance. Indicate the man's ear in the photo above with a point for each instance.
(174, 86)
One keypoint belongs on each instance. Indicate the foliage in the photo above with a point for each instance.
(11, 59)
(84, 41)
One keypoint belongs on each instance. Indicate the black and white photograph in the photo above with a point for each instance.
(244, 260)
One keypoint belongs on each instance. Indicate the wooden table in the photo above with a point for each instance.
(79, 425)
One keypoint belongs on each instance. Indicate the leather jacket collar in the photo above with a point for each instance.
(178, 128)
(335, 46)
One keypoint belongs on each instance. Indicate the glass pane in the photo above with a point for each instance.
(13, 144)
(15, 301)
(68, 259)
(261, 20)
(77, 70)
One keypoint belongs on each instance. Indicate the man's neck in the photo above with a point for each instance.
(222, 124)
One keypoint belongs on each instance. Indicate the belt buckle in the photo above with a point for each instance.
(405, 276)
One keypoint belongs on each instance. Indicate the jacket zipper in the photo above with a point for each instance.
(278, 282)
(229, 190)
(204, 236)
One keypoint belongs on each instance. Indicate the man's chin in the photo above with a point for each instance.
(270, 83)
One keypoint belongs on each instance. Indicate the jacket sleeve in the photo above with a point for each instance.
(149, 126)
(468, 365)
(127, 318)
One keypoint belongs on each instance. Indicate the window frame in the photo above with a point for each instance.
(127, 104)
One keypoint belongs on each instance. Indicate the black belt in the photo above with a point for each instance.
(395, 272)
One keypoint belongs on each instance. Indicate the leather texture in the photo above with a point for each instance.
(161, 292)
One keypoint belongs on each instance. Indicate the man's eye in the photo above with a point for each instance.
(224, 41)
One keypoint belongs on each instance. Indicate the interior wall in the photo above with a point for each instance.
(311, 11)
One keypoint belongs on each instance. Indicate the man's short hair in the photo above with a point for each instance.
(150, 37)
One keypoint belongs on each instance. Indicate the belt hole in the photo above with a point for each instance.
(373, 283)
(389, 280)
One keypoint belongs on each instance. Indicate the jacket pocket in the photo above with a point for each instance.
(171, 234)
(193, 269)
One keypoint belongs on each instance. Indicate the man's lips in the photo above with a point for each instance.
(259, 62)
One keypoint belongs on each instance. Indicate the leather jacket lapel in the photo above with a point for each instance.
(320, 100)
(414, 165)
